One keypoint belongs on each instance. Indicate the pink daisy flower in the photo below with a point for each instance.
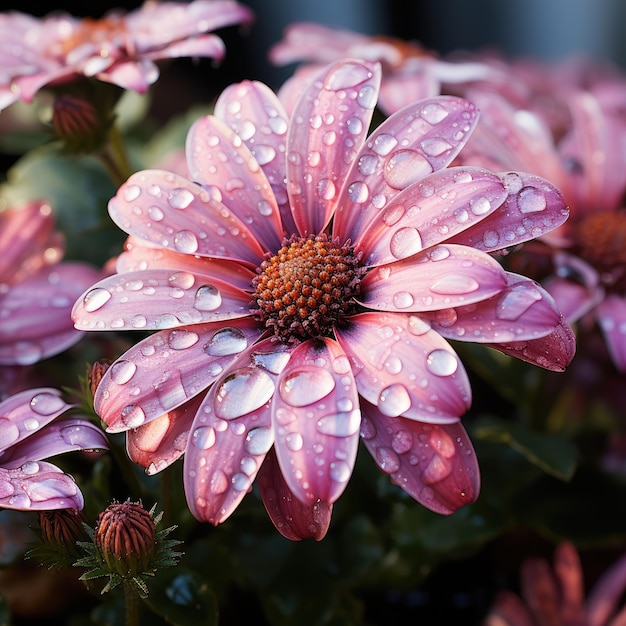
(33, 427)
(121, 48)
(303, 289)
(557, 595)
(37, 289)
(410, 72)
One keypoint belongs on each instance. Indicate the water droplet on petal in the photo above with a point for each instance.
(208, 298)
(436, 470)
(347, 75)
(434, 113)
(245, 390)
(405, 167)
(226, 341)
(435, 146)
(294, 441)
(531, 200)
(403, 300)
(394, 400)
(96, 298)
(185, 241)
(122, 371)
(368, 96)
(9, 432)
(441, 363)
(358, 192)
(203, 437)
(387, 460)
(46, 403)
(405, 242)
(155, 214)
(131, 192)
(306, 386)
(341, 424)
(402, 441)
(30, 467)
(259, 440)
(455, 285)
(180, 198)
(340, 471)
(132, 416)
(326, 189)
(219, 482)
(516, 301)
(181, 339)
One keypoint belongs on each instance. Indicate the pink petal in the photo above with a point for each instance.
(23, 414)
(403, 88)
(38, 486)
(168, 368)
(169, 211)
(429, 212)
(316, 420)
(210, 46)
(231, 433)
(138, 256)
(533, 208)
(508, 610)
(134, 75)
(328, 126)
(523, 310)
(552, 352)
(65, 435)
(157, 299)
(605, 595)
(156, 444)
(405, 368)
(293, 519)
(611, 316)
(435, 464)
(220, 161)
(408, 146)
(438, 278)
(255, 113)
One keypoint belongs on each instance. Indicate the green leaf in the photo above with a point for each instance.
(183, 598)
(554, 454)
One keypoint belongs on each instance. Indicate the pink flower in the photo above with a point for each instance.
(119, 48)
(37, 289)
(409, 71)
(33, 427)
(587, 161)
(557, 596)
(302, 291)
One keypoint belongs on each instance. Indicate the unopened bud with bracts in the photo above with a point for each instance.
(95, 374)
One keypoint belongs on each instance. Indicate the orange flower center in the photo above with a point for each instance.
(94, 31)
(601, 240)
(307, 288)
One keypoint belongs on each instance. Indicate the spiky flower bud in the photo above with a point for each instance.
(95, 374)
(61, 531)
(125, 536)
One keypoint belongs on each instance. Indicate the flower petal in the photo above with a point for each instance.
(38, 486)
(435, 464)
(157, 299)
(611, 316)
(221, 162)
(231, 433)
(255, 113)
(408, 146)
(429, 212)
(328, 126)
(157, 443)
(316, 419)
(170, 211)
(523, 310)
(405, 368)
(533, 208)
(165, 370)
(65, 435)
(24, 413)
(438, 278)
(293, 519)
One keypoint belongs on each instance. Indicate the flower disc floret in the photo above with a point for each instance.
(308, 287)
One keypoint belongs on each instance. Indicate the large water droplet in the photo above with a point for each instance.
(96, 298)
(347, 75)
(441, 363)
(516, 301)
(405, 242)
(259, 440)
(531, 200)
(435, 146)
(245, 390)
(455, 285)
(384, 143)
(394, 400)
(367, 96)
(132, 416)
(387, 460)
(46, 403)
(341, 424)
(340, 471)
(305, 386)
(219, 482)
(203, 437)
(180, 198)
(226, 341)
(434, 113)
(181, 339)
(208, 298)
(436, 470)
(122, 371)
(405, 167)
(185, 241)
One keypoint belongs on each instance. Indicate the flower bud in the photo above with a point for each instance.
(125, 536)
(95, 374)
(61, 531)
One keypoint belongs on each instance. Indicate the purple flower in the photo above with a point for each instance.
(32, 428)
(120, 48)
(37, 289)
(302, 290)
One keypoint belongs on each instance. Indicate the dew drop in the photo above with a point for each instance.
(347, 75)
(122, 371)
(185, 241)
(294, 441)
(340, 471)
(405, 167)
(47, 403)
(208, 298)
(219, 482)
(435, 146)
(441, 362)
(491, 238)
(403, 300)
(182, 339)
(305, 386)
(387, 460)
(384, 144)
(394, 400)
(434, 113)
(243, 391)
(180, 198)
(402, 441)
(367, 164)
(226, 341)
(531, 200)
(480, 205)
(326, 189)
(455, 285)
(368, 96)
(341, 424)
(9, 432)
(354, 126)
(131, 193)
(132, 416)
(264, 154)
(418, 326)
(358, 192)
(155, 214)
(259, 440)
(95, 299)
(405, 242)
(436, 470)
(203, 438)
(182, 280)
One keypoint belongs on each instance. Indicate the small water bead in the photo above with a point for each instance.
(241, 482)
(9, 432)
(403, 300)
(294, 441)
(394, 400)
(326, 189)
(367, 97)
(480, 205)
(245, 390)
(180, 198)
(155, 213)
(340, 471)
(441, 363)
(392, 214)
(455, 285)
(122, 371)
(305, 386)
(393, 365)
(207, 298)
(434, 113)
(418, 326)
(185, 241)
(30, 424)
(182, 339)
(387, 460)
(46, 403)
(491, 239)
(273, 362)
(203, 437)
(531, 200)
(367, 164)
(405, 167)
(383, 144)
(132, 416)
(259, 440)
(439, 253)
(405, 242)
(219, 482)
(95, 299)
(341, 424)
(341, 364)
(435, 146)
(402, 441)
(329, 138)
(358, 192)
(278, 125)
(354, 126)
(131, 192)
(226, 341)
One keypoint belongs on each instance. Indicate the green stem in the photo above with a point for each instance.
(131, 599)
(114, 157)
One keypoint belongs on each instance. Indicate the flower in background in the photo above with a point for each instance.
(583, 263)
(120, 48)
(409, 71)
(303, 290)
(33, 427)
(37, 288)
(557, 596)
